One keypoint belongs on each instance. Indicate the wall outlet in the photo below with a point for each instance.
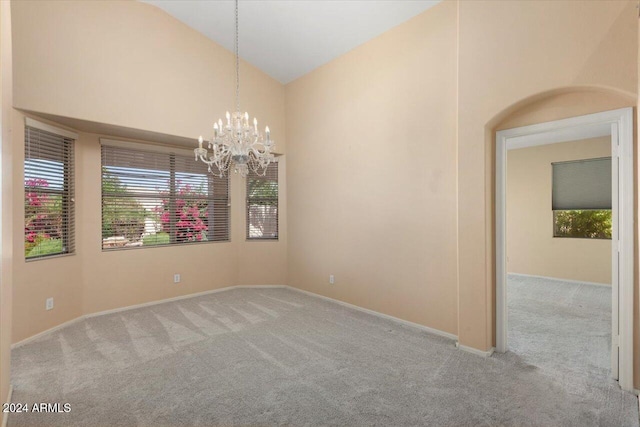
(49, 304)
(176, 278)
(332, 279)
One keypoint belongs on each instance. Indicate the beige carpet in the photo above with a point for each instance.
(279, 357)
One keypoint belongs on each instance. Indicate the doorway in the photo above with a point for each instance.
(618, 124)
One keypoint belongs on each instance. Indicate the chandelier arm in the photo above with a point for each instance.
(259, 167)
(205, 160)
(253, 163)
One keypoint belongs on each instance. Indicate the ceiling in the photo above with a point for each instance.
(289, 38)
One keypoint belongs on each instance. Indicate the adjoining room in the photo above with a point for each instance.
(559, 227)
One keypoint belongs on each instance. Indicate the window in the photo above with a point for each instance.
(48, 194)
(581, 199)
(152, 198)
(262, 204)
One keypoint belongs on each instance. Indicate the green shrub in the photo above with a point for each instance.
(590, 224)
(156, 239)
(46, 247)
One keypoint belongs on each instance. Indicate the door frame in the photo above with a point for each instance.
(620, 122)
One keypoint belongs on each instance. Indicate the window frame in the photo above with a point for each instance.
(248, 204)
(554, 225)
(66, 193)
(172, 153)
(599, 206)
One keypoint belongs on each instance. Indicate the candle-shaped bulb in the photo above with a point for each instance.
(215, 130)
(220, 124)
(267, 132)
(200, 141)
(228, 119)
(255, 125)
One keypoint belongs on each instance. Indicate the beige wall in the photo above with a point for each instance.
(514, 62)
(130, 65)
(35, 281)
(6, 260)
(510, 53)
(411, 236)
(531, 247)
(568, 61)
(92, 280)
(372, 174)
(636, 165)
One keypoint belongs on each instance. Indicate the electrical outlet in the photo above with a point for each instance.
(49, 304)
(332, 279)
(176, 278)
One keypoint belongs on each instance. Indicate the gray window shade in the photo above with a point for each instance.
(262, 204)
(48, 187)
(582, 184)
(160, 198)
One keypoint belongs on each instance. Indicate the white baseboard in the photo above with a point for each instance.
(213, 291)
(178, 298)
(46, 332)
(556, 279)
(261, 286)
(156, 302)
(5, 416)
(475, 351)
(135, 306)
(376, 313)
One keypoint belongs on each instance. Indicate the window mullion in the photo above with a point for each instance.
(211, 206)
(172, 199)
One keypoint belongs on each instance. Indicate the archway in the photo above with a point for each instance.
(555, 112)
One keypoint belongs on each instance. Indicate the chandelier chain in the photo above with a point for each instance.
(237, 143)
(237, 48)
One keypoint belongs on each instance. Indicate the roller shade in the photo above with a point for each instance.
(262, 204)
(582, 184)
(160, 198)
(48, 189)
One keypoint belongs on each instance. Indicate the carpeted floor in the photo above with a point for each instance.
(280, 357)
(561, 327)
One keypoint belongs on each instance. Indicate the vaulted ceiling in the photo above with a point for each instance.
(289, 38)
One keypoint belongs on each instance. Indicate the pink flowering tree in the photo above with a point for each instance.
(43, 213)
(190, 213)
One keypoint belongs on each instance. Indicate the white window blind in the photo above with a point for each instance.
(160, 198)
(48, 189)
(262, 204)
(582, 184)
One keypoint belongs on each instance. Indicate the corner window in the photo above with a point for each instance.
(160, 198)
(48, 194)
(581, 199)
(262, 204)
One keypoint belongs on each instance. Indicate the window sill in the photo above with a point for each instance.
(44, 257)
(169, 245)
(582, 238)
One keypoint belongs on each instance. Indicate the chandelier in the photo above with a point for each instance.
(237, 143)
